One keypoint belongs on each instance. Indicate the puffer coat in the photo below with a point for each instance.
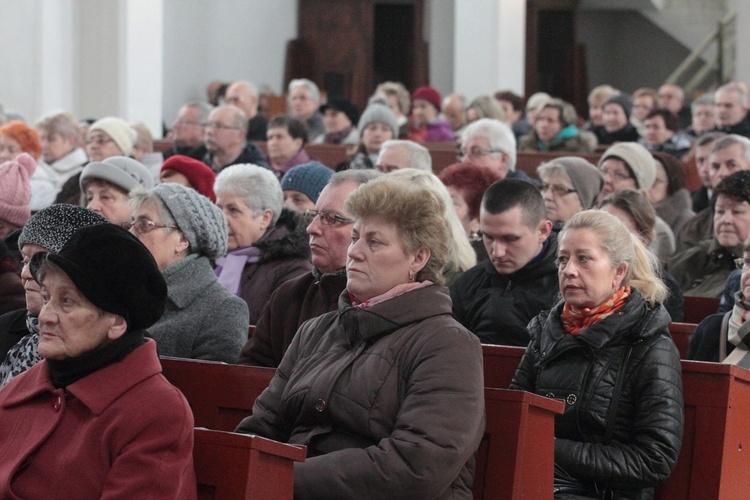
(621, 431)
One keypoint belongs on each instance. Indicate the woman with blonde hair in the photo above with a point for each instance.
(485, 106)
(387, 391)
(461, 257)
(605, 350)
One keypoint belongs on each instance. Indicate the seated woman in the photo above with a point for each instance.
(95, 418)
(466, 184)
(668, 195)
(485, 106)
(377, 125)
(183, 230)
(555, 130)
(285, 140)
(634, 210)
(719, 335)
(569, 185)
(461, 256)
(340, 117)
(386, 392)
(267, 243)
(46, 231)
(302, 185)
(15, 194)
(605, 349)
(426, 124)
(616, 126)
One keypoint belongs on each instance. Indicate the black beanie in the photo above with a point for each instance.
(114, 271)
(624, 101)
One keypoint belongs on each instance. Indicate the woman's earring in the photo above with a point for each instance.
(411, 275)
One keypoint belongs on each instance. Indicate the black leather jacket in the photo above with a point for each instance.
(623, 371)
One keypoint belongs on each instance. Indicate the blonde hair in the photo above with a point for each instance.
(417, 213)
(623, 246)
(461, 254)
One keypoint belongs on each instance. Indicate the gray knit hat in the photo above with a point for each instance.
(123, 172)
(309, 179)
(637, 158)
(201, 221)
(587, 180)
(53, 226)
(624, 101)
(119, 130)
(376, 112)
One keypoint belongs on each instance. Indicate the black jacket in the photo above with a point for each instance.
(498, 307)
(704, 343)
(251, 154)
(640, 448)
(628, 133)
(12, 330)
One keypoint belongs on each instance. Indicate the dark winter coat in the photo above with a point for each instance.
(702, 270)
(675, 209)
(695, 230)
(295, 302)
(250, 154)
(626, 134)
(389, 401)
(582, 142)
(639, 447)
(704, 342)
(12, 330)
(286, 255)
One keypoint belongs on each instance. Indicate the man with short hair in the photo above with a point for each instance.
(187, 130)
(672, 97)
(304, 101)
(663, 134)
(731, 109)
(728, 155)
(225, 140)
(398, 154)
(454, 107)
(497, 298)
(244, 95)
(701, 152)
(314, 293)
(704, 116)
(491, 143)
(285, 141)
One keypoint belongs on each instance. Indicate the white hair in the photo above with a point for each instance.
(419, 156)
(498, 134)
(258, 186)
(308, 84)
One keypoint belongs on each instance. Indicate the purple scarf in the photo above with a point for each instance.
(229, 268)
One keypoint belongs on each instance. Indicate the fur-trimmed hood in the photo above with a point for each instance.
(286, 240)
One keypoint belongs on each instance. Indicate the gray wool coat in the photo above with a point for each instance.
(202, 319)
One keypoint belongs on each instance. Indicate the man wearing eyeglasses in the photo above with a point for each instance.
(317, 292)
(226, 142)
(187, 131)
(491, 143)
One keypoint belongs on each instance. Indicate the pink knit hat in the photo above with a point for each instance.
(15, 190)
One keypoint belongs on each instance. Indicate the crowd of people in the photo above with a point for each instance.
(370, 284)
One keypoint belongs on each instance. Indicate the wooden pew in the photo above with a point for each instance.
(517, 454)
(500, 363)
(330, 155)
(232, 466)
(220, 395)
(681, 333)
(713, 462)
(697, 308)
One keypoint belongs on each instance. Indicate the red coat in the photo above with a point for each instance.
(120, 432)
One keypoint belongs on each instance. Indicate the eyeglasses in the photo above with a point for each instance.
(219, 126)
(742, 263)
(326, 218)
(616, 175)
(556, 189)
(477, 153)
(98, 139)
(143, 226)
(183, 121)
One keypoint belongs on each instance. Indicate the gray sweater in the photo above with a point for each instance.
(202, 319)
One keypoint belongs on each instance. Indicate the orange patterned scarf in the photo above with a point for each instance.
(577, 320)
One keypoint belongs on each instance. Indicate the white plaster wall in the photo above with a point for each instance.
(19, 56)
(439, 27)
(224, 40)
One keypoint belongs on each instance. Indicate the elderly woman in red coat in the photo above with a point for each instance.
(83, 422)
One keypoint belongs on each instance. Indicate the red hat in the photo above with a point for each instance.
(198, 173)
(428, 94)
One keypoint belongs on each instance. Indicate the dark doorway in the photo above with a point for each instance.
(555, 57)
(393, 44)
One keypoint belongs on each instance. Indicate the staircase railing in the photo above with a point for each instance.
(722, 66)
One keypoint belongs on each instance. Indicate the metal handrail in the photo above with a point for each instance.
(696, 54)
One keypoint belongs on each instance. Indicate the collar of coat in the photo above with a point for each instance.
(387, 317)
(96, 391)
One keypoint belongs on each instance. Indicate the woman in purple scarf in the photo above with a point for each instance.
(267, 243)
